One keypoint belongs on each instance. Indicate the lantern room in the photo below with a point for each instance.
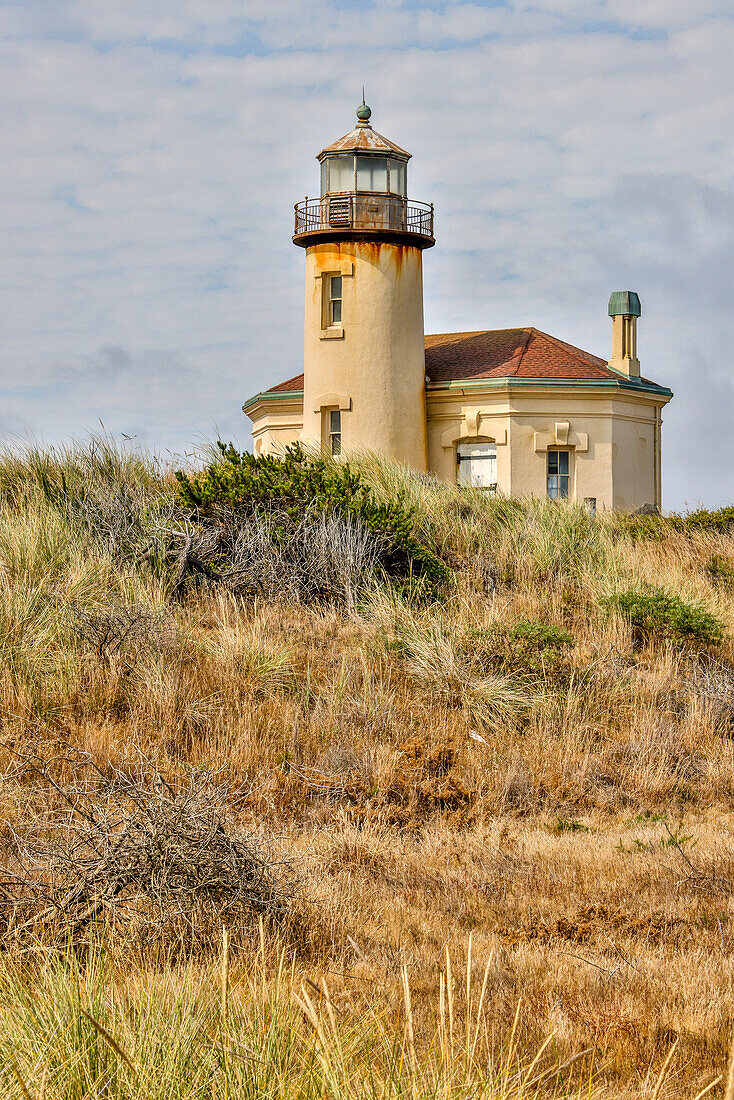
(364, 161)
(364, 187)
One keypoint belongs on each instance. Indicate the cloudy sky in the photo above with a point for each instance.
(152, 151)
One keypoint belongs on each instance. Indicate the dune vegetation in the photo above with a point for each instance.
(354, 784)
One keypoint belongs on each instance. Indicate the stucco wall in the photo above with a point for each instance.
(634, 460)
(276, 424)
(453, 417)
(374, 370)
(613, 438)
(588, 439)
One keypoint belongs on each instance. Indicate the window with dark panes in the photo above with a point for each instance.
(335, 432)
(335, 300)
(558, 474)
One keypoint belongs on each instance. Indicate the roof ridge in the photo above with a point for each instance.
(520, 353)
(482, 331)
(527, 333)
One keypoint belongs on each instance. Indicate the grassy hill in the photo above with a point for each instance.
(429, 796)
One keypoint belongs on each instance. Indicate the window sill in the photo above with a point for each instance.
(334, 333)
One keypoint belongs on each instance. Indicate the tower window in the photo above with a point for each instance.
(340, 173)
(335, 300)
(559, 465)
(335, 432)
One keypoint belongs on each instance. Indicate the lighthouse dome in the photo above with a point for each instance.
(363, 139)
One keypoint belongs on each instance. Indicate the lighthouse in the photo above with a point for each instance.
(510, 410)
(364, 385)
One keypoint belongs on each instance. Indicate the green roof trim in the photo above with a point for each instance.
(624, 303)
(638, 385)
(271, 395)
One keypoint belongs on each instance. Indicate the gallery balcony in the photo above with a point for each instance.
(355, 215)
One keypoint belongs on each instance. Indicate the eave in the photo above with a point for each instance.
(268, 396)
(506, 384)
(483, 385)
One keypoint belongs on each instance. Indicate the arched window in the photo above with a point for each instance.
(477, 463)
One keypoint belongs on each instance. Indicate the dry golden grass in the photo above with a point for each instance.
(573, 823)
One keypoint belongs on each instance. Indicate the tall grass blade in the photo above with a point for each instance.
(109, 1039)
(664, 1070)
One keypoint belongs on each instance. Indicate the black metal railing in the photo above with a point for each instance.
(367, 211)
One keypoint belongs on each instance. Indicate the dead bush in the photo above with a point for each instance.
(320, 557)
(116, 628)
(151, 853)
(711, 684)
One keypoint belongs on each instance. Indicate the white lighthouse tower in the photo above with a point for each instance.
(364, 354)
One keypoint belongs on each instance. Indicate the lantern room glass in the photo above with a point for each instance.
(397, 176)
(340, 174)
(371, 174)
(350, 172)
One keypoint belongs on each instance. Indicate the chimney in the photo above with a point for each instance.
(624, 309)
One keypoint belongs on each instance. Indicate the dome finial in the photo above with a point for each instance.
(363, 112)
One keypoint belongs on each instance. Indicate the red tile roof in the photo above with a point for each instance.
(500, 353)
(508, 353)
(295, 383)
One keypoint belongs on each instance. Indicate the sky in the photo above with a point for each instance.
(152, 153)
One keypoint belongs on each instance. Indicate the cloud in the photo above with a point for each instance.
(152, 155)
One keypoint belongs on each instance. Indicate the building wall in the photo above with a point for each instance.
(453, 417)
(372, 366)
(614, 438)
(276, 424)
(636, 458)
(539, 426)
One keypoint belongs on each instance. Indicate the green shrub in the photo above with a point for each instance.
(531, 634)
(531, 648)
(721, 520)
(570, 825)
(652, 528)
(655, 613)
(264, 485)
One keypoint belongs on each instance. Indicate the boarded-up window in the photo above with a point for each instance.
(477, 462)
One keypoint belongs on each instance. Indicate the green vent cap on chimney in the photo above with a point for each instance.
(624, 303)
